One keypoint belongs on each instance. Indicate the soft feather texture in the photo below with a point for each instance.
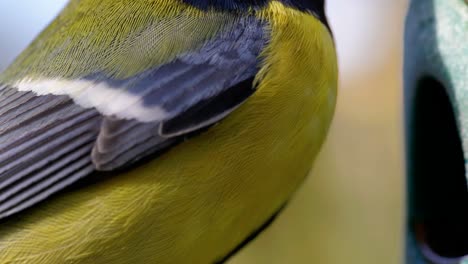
(175, 95)
(121, 142)
(119, 38)
(45, 144)
(200, 199)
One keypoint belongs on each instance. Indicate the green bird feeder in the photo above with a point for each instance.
(436, 116)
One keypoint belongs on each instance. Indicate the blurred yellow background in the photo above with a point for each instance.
(350, 209)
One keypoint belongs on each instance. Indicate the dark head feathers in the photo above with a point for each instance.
(314, 6)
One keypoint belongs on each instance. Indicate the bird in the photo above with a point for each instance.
(160, 131)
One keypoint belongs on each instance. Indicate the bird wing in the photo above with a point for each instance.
(70, 106)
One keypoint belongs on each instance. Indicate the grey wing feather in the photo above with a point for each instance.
(45, 143)
(222, 63)
(122, 142)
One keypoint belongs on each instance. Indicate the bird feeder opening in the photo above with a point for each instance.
(437, 185)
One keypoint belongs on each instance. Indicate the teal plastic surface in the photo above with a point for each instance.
(436, 116)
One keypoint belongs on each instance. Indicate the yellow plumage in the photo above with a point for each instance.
(199, 200)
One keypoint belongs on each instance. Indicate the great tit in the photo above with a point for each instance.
(160, 131)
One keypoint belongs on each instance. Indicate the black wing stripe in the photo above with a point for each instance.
(208, 111)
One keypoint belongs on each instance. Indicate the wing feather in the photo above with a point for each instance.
(41, 139)
(54, 130)
(196, 90)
